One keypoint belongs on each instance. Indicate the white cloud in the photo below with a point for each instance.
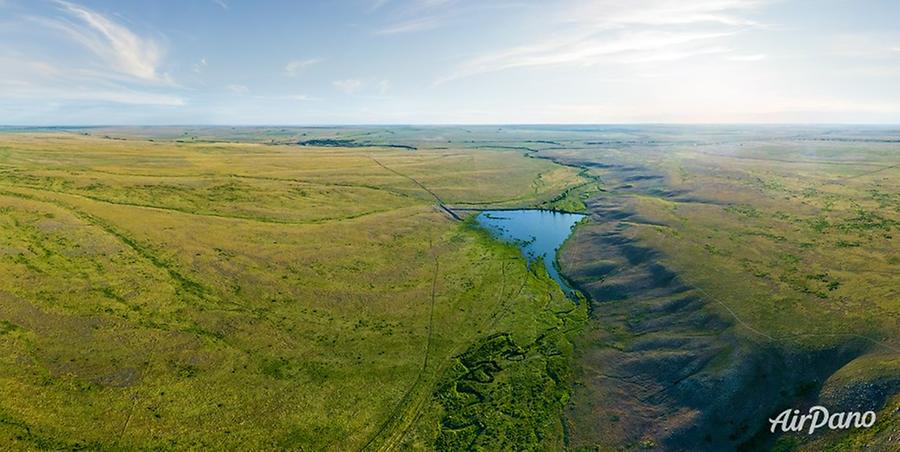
(409, 26)
(860, 44)
(629, 47)
(753, 57)
(116, 64)
(615, 13)
(421, 15)
(421, 5)
(294, 67)
(49, 91)
(129, 97)
(591, 32)
(119, 48)
(238, 89)
(222, 3)
(17, 67)
(293, 97)
(384, 86)
(200, 65)
(27, 79)
(663, 55)
(377, 4)
(348, 86)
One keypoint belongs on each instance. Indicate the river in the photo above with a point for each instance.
(538, 233)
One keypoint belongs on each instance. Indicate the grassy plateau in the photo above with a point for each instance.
(327, 288)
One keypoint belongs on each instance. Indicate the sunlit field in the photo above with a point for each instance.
(329, 289)
(254, 296)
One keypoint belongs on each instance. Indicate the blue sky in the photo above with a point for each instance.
(448, 61)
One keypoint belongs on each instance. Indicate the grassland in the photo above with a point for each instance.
(303, 288)
(158, 294)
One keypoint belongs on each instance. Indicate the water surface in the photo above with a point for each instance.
(538, 233)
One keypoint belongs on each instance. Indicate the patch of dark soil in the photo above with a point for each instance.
(665, 193)
(643, 177)
(119, 378)
(344, 143)
(599, 165)
(329, 142)
(699, 200)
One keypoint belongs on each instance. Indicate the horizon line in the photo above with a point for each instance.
(447, 124)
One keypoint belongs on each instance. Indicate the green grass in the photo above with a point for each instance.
(188, 288)
(239, 295)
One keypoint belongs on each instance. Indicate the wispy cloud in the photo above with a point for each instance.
(419, 5)
(28, 79)
(128, 97)
(200, 66)
(295, 67)
(384, 87)
(105, 62)
(119, 48)
(594, 32)
(238, 89)
(861, 44)
(416, 15)
(753, 57)
(289, 97)
(348, 86)
(615, 14)
(222, 4)
(377, 4)
(631, 47)
(420, 24)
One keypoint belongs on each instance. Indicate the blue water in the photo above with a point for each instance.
(538, 233)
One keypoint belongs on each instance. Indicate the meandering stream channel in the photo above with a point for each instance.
(538, 233)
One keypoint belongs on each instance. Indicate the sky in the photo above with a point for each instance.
(268, 62)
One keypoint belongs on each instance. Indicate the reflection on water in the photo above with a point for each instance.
(538, 233)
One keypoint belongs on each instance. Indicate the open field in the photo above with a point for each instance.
(233, 295)
(309, 288)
